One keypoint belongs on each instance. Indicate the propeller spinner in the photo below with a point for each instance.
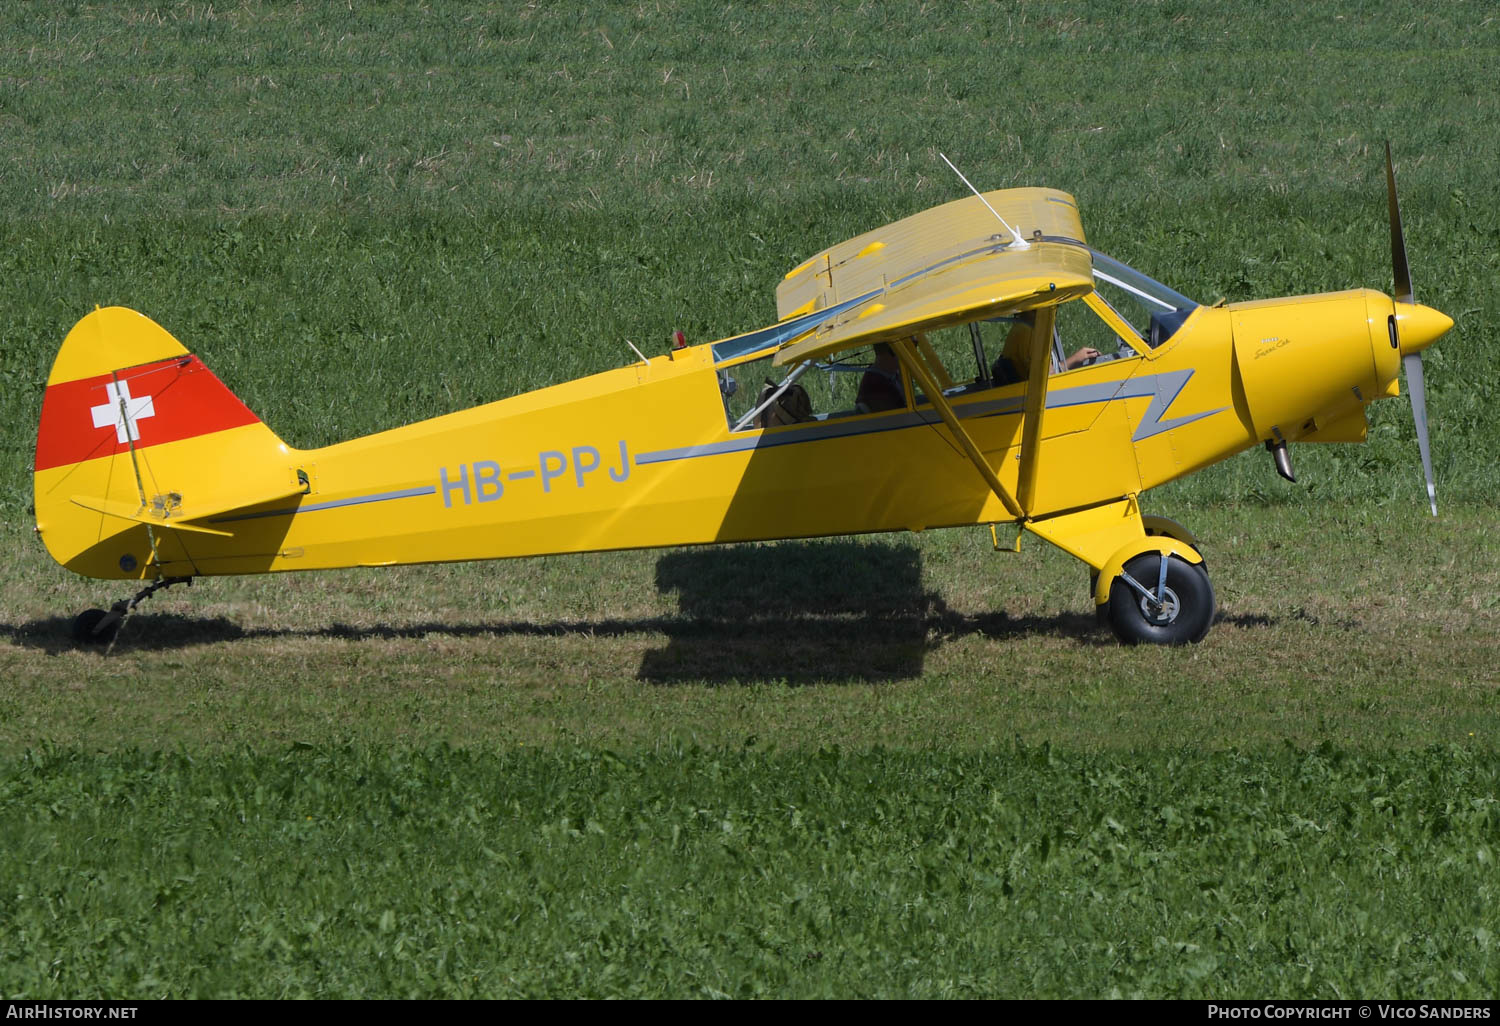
(1413, 328)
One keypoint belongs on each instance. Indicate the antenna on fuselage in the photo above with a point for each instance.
(1016, 240)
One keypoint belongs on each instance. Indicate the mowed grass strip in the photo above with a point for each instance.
(1369, 627)
(1014, 871)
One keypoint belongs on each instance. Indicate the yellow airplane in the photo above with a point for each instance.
(918, 378)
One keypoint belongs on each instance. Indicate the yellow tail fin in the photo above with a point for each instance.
(137, 440)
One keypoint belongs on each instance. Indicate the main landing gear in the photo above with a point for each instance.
(1149, 581)
(1156, 590)
(1160, 599)
(99, 627)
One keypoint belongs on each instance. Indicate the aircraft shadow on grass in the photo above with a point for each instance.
(809, 611)
(800, 612)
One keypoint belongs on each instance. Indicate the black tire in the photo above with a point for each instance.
(1186, 614)
(86, 621)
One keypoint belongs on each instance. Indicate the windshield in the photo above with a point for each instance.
(1149, 306)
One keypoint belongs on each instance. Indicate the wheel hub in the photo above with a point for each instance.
(1164, 613)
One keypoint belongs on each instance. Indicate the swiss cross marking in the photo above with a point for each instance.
(122, 411)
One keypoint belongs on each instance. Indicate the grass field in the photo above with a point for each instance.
(900, 765)
(921, 873)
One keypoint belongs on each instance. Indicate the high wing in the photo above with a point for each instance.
(948, 265)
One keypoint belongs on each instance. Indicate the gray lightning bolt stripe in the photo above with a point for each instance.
(1163, 390)
(1167, 387)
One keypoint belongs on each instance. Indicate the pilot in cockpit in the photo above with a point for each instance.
(880, 386)
(1009, 366)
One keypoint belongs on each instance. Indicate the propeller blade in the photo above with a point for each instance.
(1417, 387)
(1416, 382)
(1404, 291)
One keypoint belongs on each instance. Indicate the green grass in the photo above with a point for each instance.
(1011, 872)
(369, 214)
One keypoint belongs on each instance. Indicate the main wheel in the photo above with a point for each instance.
(1184, 612)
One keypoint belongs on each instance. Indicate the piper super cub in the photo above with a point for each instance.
(918, 377)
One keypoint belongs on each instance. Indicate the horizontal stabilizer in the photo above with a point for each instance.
(168, 513)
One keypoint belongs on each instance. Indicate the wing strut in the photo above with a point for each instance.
(1036, 406)
(1039, 366)
(914, 367)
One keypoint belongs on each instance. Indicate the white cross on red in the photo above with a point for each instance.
(122, 411)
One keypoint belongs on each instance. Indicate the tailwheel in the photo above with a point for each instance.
(90, 627)
(98, 627)
(1161, 600)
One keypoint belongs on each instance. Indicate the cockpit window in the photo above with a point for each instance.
(1150, 307)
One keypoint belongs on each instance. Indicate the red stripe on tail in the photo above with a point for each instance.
(165, 401)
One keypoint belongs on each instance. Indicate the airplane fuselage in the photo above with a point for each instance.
(645, 456)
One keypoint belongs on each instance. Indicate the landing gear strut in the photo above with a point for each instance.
(98, 627)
